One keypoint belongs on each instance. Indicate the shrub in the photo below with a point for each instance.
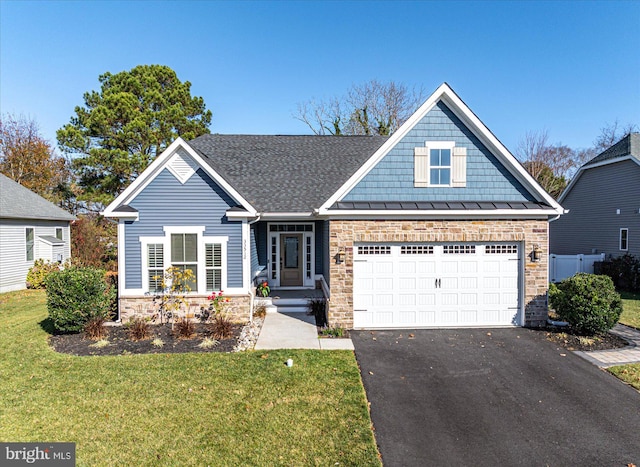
(38, 273)
(334, 332)
(95, 329)
(221, 327)
(260, 310)
(138, 329)
(157, 342)
(318, 308)
(184, 328)
(624, 271)
(588, 302)
(75, 295)
(208, 343)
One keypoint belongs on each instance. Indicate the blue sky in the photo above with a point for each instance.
(567, 67)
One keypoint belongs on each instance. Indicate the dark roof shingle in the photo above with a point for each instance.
(629, 145)
(286, 173)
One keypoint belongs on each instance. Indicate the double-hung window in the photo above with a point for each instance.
(155, 263)
(187, 249)
(624, 239)
(29, 243)
(59, 233)
(213, 266)
(440, 167)
(184, 256)
(440, 164)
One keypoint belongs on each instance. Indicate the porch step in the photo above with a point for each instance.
(290, 305)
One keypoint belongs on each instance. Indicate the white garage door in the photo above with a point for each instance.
(436, 285)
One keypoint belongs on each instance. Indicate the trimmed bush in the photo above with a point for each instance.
(38, 273)
(75, 295)
(624, 271)
(588, 302)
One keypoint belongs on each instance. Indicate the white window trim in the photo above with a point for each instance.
(201, 241)
(33, 245)
(626, 239)
(457, 166)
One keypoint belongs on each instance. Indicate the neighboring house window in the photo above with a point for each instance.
(184, 255)
(29, 243)
(624, 239)
(59, 233)
(440, 164)
(213, 266)
(155, 270)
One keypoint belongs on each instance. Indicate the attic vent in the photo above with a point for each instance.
(182, 167)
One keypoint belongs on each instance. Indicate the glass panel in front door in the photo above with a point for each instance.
(291, 249)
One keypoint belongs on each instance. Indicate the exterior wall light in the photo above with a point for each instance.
(536, 254)
(340, 256)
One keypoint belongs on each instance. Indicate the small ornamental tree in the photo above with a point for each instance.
(588, 302)
(176, 283)
(76, 295)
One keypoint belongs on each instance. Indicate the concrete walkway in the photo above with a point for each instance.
(295, 331)
(606, 358)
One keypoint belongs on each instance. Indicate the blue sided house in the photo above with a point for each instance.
(437, 225)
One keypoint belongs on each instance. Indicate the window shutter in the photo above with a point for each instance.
(459, 167)
(421, 167)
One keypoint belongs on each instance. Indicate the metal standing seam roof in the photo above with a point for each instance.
(18, 202)
(277, 173)
(435, 206)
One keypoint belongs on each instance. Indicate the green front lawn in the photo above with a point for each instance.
(630, 374)
(180, 409)
(630, 309)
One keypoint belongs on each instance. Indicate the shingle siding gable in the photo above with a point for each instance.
(392, 179)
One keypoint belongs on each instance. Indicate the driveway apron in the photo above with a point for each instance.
(489, 397)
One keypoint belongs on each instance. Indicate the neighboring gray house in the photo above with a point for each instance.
(30, 228)
(603, 200)
(437, 225)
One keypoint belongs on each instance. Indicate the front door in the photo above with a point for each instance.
(291, 260)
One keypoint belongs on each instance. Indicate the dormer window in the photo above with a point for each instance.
(440, 164)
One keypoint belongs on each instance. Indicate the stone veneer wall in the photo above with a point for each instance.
(143, 306)
(344, 233)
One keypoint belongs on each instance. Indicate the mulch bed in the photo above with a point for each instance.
(121, 344)
(572, 341)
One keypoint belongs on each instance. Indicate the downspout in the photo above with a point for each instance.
(251, 288)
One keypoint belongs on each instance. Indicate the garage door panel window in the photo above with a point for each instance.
(459, 249)
(500, 249)
(374, 250)
(416, 250)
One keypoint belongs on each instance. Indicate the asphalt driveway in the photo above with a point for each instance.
(493, 397)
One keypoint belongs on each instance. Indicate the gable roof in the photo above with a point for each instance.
(119, 207)
(628, 148)
(286, 173)
(445, 94)
(18, 202)
(288, 176)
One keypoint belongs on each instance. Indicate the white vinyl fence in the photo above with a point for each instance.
(563, 266)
